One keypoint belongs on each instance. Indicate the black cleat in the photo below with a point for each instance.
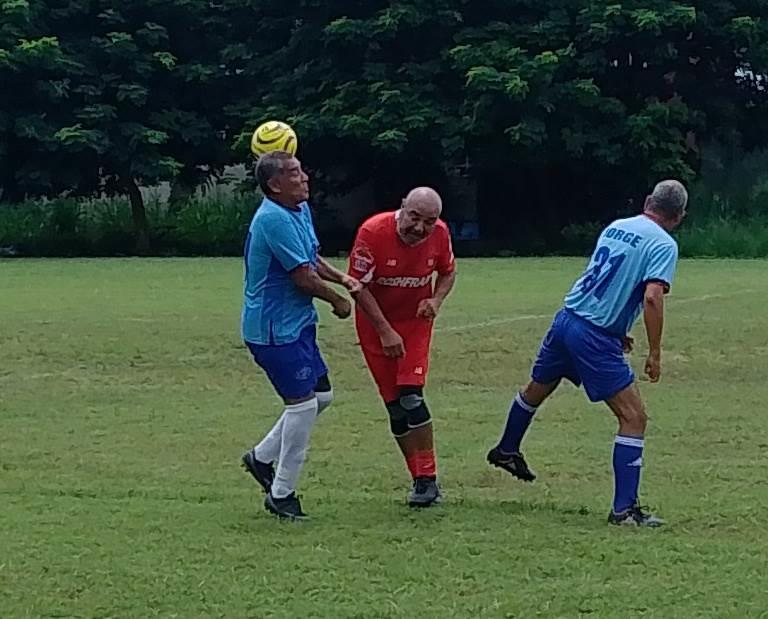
(288, 508)
(425, 492)
(262, 472)
(635, 517)
(513, 463)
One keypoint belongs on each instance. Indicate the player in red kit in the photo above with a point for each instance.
(395, 256)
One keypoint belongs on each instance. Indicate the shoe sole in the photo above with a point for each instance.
(416, 504)
(634, 524)
(511, 471)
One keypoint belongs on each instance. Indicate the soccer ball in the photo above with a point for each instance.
(273, 135)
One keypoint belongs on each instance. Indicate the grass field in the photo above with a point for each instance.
(126, 400)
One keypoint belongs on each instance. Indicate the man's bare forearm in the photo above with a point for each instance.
(367, 302)
(443, 286)
(328, 272)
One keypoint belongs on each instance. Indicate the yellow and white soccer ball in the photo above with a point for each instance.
(273, 135)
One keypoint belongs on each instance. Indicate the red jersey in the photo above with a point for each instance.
(398, 275)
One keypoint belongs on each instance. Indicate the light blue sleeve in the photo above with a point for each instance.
(662, 264)
(285, 242)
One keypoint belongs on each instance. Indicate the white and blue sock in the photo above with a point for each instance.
(520, 416)
(627, 464)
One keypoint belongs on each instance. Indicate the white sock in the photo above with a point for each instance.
(298, 420)
(268, 449)
(324, 400)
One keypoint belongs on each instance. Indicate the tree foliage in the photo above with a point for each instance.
(566, 109)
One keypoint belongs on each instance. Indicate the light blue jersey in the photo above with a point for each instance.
(629, 253)
(279, 239)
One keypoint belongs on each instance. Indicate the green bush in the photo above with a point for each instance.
(214, 221)
(724, 238)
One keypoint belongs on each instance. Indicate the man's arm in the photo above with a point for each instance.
(429, 308)
(443, 286)
(653, 316)
(446, 278)
(391, 342)
(329, 273)
(306, 279)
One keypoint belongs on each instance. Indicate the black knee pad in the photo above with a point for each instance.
(412, 402)
(323, 384)
(398, 419)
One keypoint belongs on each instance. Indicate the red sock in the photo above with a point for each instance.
(425, 463)
(413, 464)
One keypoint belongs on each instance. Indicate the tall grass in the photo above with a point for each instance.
(212, 222)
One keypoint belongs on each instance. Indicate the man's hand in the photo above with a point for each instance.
(350, 283)
(653, 366)
(627, 343)
(342, 307)
(428, 309)
(392, 344)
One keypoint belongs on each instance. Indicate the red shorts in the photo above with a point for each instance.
(392, 373)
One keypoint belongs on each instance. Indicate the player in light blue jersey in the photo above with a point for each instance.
(630, 271)
(283, 273)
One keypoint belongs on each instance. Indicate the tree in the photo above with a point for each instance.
(112, 95)
(563, 110)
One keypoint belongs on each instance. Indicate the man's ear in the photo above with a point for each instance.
(273, 185)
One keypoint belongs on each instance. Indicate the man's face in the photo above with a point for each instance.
(416, 222)
(291, 186)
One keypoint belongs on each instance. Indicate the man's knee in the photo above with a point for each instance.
(636, 416)
(412, 402)
(398, 418)
(629, 410)
(535, 393)
(324, 393)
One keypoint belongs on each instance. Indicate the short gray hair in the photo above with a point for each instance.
(268, 166)
(669, 198)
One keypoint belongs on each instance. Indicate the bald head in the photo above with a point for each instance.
(426, 200)
(419, 214)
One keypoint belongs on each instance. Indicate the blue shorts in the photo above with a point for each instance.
(293, 369)
(584, 354)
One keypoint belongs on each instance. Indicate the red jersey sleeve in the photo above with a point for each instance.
(446, 263)
(362, 258)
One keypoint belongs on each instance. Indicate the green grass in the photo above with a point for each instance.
(126, 400)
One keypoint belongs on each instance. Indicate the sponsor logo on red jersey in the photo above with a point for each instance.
(404, 282)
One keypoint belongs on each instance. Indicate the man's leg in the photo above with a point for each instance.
(298, 421)
(384, 373)
(292, 371)
(412, 371)
(420, 442)
(552, 364)
(507, 455)
(323, 388)
(608, 378)
(420, 447)
(260, 460)
(398, 425)
(628, 459)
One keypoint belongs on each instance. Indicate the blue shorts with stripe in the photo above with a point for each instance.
(585, 354)
(293, 369)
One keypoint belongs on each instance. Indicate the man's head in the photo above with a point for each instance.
(667, 203)
(418, 215)
(281, 178)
